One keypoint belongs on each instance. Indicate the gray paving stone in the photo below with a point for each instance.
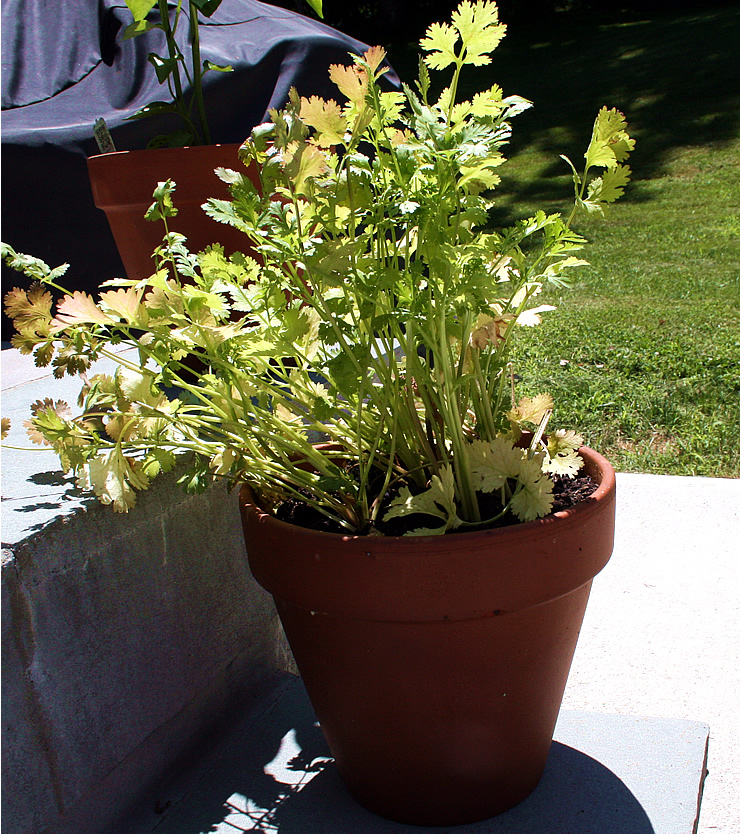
(607, 774)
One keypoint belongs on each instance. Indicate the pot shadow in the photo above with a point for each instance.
(280, 777)
(577, 795)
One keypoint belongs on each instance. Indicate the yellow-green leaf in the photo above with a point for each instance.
(374, 57)
(30, 309)
(50, 421)
(492, 464)
(480, 30)
(115, 478)
(567, 464)
(534, 499)
(438, 500)
(351, 81)
(488, 103)
(531, 409)
(530, 318)
(79, 308)
(303, 161)
(480, 175)
(564, 440)
(562, 447)
(610, 142)
(126, 304)
(440, 43)
(326, 118)
(136, 386)
(613, 182)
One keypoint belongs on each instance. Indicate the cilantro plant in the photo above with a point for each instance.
(176, 67)
(378, 314)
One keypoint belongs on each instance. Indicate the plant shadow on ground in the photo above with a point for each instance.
(279, 776)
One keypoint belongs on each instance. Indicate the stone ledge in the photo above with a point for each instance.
(126, 638)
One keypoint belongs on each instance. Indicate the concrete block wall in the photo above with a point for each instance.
(126, 639)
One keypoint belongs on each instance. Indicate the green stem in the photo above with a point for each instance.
(28, 448)
(488, 421)
(454, 84)
(173, 51)
(453, 422)
(198, 74)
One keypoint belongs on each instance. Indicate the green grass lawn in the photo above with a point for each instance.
(643, 353)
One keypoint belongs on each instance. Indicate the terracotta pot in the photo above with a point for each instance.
(122, 185)
(436, 665)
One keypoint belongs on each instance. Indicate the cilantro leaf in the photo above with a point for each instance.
(440, 43)
(480, 30)
(326, 118)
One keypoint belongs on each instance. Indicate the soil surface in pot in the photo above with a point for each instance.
(566, 492)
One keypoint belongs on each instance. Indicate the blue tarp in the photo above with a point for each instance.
(66, 64)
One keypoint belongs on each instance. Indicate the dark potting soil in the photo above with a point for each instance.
(566, 493)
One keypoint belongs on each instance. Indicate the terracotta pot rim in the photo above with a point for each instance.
(576, 513)
(151, 151)
(448, 577)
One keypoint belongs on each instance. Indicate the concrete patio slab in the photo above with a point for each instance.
(662, 627)
(607, 774)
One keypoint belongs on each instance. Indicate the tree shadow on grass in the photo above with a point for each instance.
(676, 77)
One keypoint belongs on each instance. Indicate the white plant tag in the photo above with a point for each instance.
(103, 137)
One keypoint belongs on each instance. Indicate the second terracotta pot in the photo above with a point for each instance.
(436, 665)
(122, 185)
